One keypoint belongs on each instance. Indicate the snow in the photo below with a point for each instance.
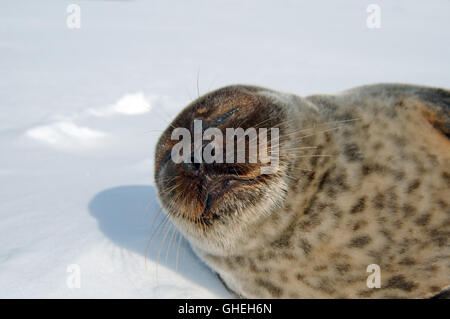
(81, 111)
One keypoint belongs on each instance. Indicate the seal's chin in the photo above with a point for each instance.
(215, 197)
(220, 222)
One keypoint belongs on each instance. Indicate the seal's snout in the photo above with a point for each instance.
(210, 159)
(214, 181)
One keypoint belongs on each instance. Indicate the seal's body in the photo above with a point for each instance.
(363, 179)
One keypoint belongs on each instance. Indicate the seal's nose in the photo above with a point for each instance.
(192, 167)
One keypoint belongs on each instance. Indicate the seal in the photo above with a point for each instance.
(357, 208)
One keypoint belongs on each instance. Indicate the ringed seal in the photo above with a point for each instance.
(363, 179)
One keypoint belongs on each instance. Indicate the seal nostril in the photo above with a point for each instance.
(191, 167)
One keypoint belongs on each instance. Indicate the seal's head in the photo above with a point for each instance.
(216, 205)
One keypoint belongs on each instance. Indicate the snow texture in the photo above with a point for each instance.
(81, 111)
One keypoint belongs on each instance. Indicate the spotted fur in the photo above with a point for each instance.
(380, 196)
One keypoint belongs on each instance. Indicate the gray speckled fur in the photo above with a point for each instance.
(381, 196)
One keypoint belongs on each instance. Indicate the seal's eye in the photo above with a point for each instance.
(223, 117)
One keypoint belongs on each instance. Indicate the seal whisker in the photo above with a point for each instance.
(180, 237)
(169, 227)
(154, 232)
(169, 246)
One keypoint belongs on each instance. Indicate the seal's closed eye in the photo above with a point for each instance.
(223, 117)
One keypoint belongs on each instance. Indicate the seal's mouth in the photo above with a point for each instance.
(206, 189)
(214, 194)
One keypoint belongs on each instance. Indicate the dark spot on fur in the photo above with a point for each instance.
(391, 202)
(359, 224)
(440, 237)
(399, 141)
(331, 192)
(432, 268)
(320, 268)
(435, 288)
(353, 153)
(399, 175)
(230, 263)
(299, 276)
(408, 210)
(274, 290)
(305, 246)
(399, 282)
(239, 260)
(360, 241)
(378, 201)
(398, 223)
(288, 256)
(312, 222)
(321, 206)
(323, 237)
(359, 206)
(313, 161)
(442, 204)
(377, 146)
(310, 208)
(387, 234)
(340, 182)
(423, 220)
(413, 186)
(373, 168)
(407, 261)
(253, 267)
(266, 256)
(326, 286)
(342, 268)
(365, 169)
(284, 239)
(323, 179)
(446, 177)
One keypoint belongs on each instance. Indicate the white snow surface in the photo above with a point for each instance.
(81, 111)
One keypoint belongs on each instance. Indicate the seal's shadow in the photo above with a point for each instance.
(125, 214)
